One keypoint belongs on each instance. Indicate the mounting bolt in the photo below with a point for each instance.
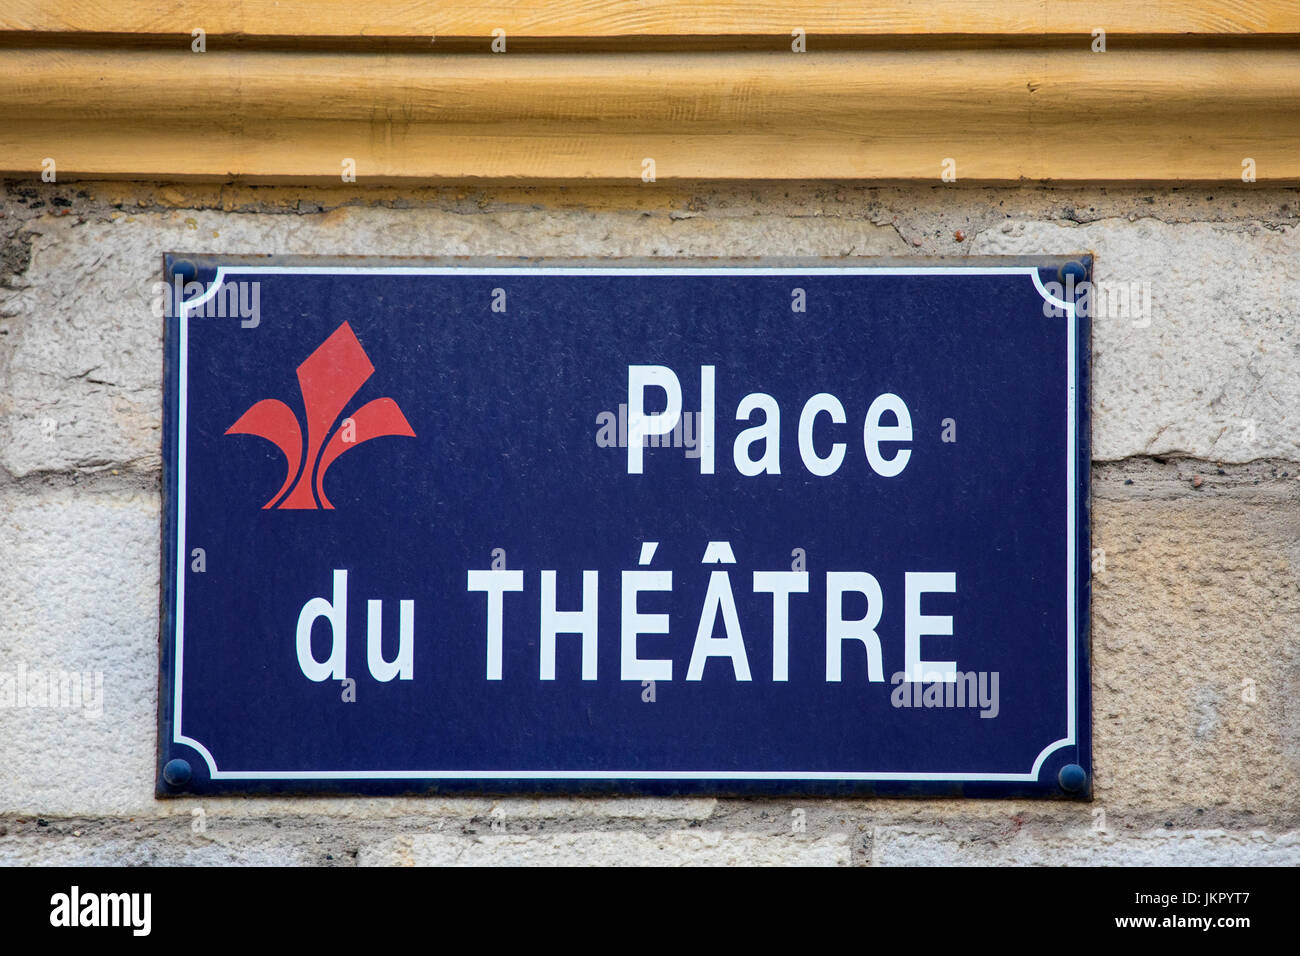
(177, 772)
(185, 270)
(1072, 778)
(1075, 270)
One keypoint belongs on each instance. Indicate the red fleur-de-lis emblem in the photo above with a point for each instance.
(328, 379)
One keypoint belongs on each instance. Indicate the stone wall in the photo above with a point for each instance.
(1196, 521)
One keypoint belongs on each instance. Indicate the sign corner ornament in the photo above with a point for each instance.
(653, 526)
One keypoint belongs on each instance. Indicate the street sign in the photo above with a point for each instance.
(652, 526)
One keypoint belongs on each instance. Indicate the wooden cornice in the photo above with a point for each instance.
(75, 89)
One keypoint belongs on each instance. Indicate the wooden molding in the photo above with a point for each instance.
(1001, 115)
(1009, 90)
(622, 19)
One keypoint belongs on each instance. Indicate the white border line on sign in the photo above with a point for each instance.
(1071, 537)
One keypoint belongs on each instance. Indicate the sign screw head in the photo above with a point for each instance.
(1075, 270)
(1072, 778)
(177, 772)
(185, 270)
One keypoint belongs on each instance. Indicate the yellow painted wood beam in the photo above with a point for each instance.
(614, 19)
(1000, 115)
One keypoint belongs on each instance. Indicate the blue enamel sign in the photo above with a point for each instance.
(654, 526)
